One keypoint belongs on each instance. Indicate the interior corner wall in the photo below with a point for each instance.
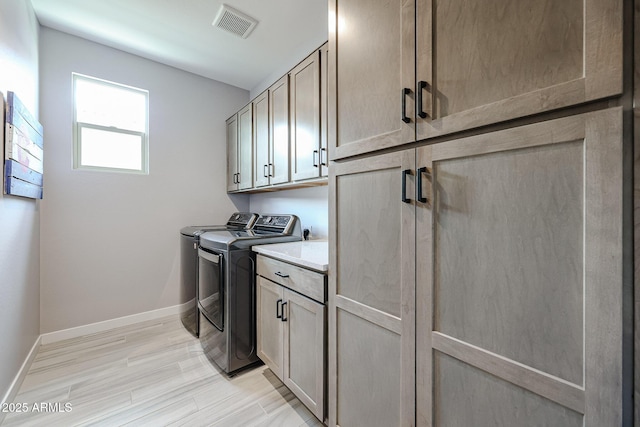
(110, 241)
(19, 217)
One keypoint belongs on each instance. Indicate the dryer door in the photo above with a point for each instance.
(211, 287)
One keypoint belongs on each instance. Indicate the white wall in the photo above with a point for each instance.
(19, 218)
(310, 204)
(110, 242)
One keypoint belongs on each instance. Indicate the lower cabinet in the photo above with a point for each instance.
(291, 340)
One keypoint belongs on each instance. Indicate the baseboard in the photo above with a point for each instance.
(19, 378)
(93, 328)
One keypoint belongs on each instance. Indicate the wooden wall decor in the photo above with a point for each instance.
(23, 154)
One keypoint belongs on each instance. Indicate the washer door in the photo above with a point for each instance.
(211, 287)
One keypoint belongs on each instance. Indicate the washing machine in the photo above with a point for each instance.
(189, 241)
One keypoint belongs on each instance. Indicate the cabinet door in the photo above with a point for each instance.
(520, 284)
(279, 137)
(305, 118)
(324, 100)
(372, 51)
(245, 148)
(269, 327)
(304, 350)
(232, 153)
(483, 63)
(261, 139)
(372, 292)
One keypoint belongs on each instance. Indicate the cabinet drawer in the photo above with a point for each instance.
(306, 282)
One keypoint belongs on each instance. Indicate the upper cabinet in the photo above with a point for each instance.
(232, 153)
(279, 140)
(324, 101)
(305, 118)
(279, 131)
(239, 150)
(245, 150)
(271, 134)
(514, 59)
(261, 146)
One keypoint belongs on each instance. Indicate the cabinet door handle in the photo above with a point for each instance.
(405, 172)
(264, 171)
(419, 196)
(422, 85)
(272, 170)
(283, 275)
(405, 91)
(284, 319)
(325, 161)
(315, 153)
(235, 178)
(238, 178)
(279, 309)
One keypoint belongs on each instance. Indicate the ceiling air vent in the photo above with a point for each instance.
(234, 22)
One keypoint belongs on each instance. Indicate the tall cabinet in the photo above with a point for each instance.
(478, 278)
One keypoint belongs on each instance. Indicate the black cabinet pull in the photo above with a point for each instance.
(404, 185)
(279, 309)
(405, 91)
(283, 275)
(264, 171)
(284, 319)
(271, 170)
(315, 153)
(238, 178)
(323, 162)
(419, 196)
(421, 86)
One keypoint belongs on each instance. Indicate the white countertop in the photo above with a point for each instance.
(313, 254)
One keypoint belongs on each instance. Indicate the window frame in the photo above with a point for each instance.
(78, 126)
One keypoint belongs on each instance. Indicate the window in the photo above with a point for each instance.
(110, 126)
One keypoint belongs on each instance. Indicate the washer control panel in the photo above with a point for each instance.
(277, 223)
(242, 219)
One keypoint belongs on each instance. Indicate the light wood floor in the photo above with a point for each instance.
(150, 374)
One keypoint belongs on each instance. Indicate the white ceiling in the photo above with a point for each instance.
(179, 32)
